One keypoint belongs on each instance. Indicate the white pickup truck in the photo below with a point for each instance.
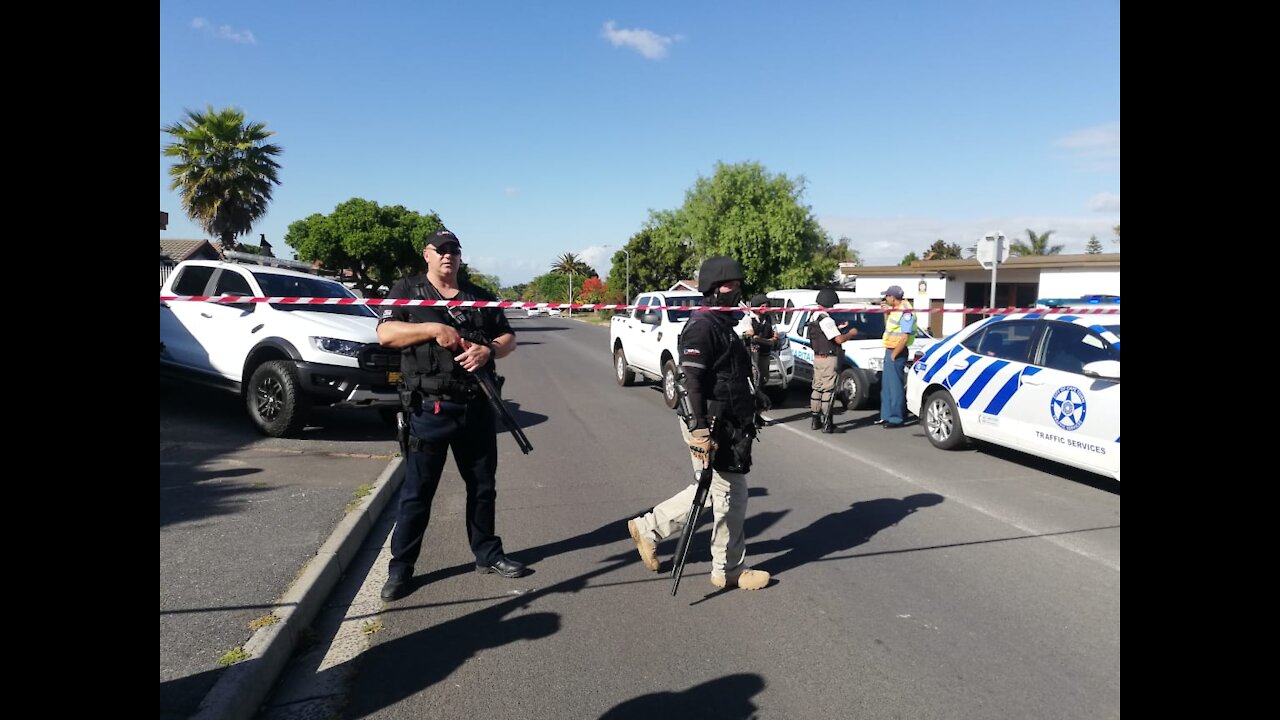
(644, 344)
(282, 358)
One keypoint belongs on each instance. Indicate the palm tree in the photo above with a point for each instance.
(225, 170)
(1036, 245)
(566, 263)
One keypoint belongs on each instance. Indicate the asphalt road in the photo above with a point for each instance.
(908, 582)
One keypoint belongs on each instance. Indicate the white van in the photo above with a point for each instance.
(862, 360)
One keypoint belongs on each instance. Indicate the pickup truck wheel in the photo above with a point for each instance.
(669, 384)
(621, 372)
(853, 389)
(273, 399)
(942, 422)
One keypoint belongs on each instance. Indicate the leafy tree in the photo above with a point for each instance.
(379, 244)
(656, 263)
(748, 214)
(908, 259)
(1093, 247)
(842, 251)
(550, 287)
(488, 282)
(1116, 229)
(515, 291)
(593, 290)
(941, 250)
(1035, 245)
(224, 172)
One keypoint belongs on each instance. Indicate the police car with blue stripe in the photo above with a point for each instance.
(1045, 383)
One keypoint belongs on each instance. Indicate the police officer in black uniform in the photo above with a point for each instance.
(445, 407)
(719, 431)
(762, 340)
(826, 339)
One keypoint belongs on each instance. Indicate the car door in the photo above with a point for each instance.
(230, 328)
(647, 323)
(801, 350)
(986, 376)
(1069, 416)
(180, 322)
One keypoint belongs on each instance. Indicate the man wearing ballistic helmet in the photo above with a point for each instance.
(445, 408)
(719, 431)
(825, 338)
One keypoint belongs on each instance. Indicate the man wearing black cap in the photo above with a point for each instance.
(445, 408)
(899, 332)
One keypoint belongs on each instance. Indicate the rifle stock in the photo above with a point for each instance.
(690, 523)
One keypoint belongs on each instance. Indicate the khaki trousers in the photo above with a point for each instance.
(728, 502)
(824, 384)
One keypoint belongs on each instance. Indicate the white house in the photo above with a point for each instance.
(955, 284)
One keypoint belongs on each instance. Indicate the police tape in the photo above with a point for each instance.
(517, 305)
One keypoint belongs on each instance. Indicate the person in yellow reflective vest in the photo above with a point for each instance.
(899, 332)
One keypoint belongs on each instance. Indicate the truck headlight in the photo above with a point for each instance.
(350, 348)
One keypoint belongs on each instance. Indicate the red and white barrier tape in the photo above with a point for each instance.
(402, 302)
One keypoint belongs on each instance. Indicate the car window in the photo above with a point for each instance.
(192, 280)
(682, 315)
(231, 282)
(1069, 347)
(641, 304)
(277, 285)
(870, 325)
(789, 314)
(1009, 340)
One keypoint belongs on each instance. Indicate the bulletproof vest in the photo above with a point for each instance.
(732, 394)
(429, 368)
(822, 345)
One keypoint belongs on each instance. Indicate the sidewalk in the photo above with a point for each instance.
(251, 535)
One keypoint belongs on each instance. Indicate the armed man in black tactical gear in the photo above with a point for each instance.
(719, 430)
(826, 340)
(445, 408)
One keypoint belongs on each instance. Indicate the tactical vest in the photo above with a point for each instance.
(731, 395)
(822, 345)
(429, 368)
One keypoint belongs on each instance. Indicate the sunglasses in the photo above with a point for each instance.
(447, 249)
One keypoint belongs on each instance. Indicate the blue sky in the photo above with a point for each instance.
(536, 129)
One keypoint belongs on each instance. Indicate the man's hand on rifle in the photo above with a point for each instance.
(474, 355)
(700, 445)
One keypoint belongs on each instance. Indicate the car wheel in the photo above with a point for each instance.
(621, 372)
(273, 399)
(853, 389)
(669, 384)
(942, 422)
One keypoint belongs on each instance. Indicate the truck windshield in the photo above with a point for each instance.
(277, 285)
(682, 315)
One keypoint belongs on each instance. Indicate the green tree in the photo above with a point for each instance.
(379, 244)
(1116, 229)
(941, 250)
(1035, 245)
(748, 214)
(1093, 247)
(656, 262)
(908, 259)
(224, 172)
(550, 287)
(488, 282)
(842, 251)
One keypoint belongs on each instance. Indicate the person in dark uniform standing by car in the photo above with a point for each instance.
(761, 339)
(446, 408)
(719, 432)
(826, 339)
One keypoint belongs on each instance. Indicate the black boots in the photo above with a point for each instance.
(829, 426)
(817, 421)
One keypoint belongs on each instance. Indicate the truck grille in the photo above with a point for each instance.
(379, 359)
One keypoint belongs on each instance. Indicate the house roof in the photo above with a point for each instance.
(178, 250)
(691, 285)
(1029, 262)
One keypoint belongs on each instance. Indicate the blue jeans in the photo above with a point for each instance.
(893, 396)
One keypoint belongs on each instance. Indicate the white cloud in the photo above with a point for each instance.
(1104, 202)
(645, 42)
(885, 241)
(599, 257)
(1095, 148)
(511, 191)
(224, 32)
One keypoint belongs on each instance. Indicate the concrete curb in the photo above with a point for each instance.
(244, 686)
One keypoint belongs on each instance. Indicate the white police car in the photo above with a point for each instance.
(1045, 383)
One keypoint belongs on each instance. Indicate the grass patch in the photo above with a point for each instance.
(359, 494)
(265, 621)
(233, 656)
(370, 627)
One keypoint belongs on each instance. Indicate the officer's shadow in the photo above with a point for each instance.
(838, 531)
(525, 418)
(725, 698)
